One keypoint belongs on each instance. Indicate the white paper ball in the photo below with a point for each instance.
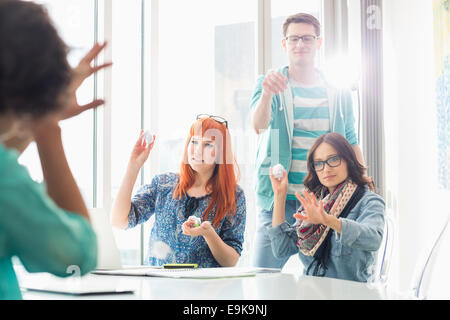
(278, 171)
(148, 137)
(197, 221)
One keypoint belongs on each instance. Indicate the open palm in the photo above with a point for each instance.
(315, 213)
(80, 73)
(190, 230)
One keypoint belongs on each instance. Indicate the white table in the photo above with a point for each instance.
(270, 286)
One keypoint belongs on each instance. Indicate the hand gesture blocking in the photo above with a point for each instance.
(315, 213)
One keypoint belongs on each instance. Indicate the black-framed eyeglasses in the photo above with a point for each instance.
(332, 162)
(306, 39)
(215, 118)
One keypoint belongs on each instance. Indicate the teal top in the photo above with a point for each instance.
(276, 143)
(43, 236)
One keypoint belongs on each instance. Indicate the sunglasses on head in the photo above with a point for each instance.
(215, 118)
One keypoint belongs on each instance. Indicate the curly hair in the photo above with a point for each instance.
(34, 71)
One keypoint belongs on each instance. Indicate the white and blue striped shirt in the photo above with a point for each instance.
(311, 120)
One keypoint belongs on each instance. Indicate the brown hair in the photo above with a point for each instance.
(345, 150)
(302, 18)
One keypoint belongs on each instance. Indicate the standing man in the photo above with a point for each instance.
(291, 108)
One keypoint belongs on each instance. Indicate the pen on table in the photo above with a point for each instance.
(180, 266)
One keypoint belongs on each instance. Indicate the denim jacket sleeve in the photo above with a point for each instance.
(363, 227)
(283, 239)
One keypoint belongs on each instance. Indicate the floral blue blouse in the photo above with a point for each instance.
(167, 243)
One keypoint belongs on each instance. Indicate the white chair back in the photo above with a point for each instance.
(385, 252)
(421, 283)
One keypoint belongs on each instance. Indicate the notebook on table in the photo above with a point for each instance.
(81, 286)
(197, 273)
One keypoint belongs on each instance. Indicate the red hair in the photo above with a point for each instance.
(223, 182)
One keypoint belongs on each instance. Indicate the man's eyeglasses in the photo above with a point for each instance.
(215, 118)
(332, 162)
(307, 39)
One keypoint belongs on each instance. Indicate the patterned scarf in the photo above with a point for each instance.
(314, 239)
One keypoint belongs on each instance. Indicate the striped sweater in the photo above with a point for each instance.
(278, 144)
(311, 120)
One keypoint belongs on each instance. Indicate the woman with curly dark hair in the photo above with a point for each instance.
(48, 229)
(340, 220)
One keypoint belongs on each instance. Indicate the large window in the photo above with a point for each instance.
(174, 59)
(169, 66)
(126, 107)
(206, 65)
(74, 20)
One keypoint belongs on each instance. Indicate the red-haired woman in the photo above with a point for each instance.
(206, 187)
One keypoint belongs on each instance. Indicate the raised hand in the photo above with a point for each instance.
(279, 187)
(80, 73)
(141, 150)
(274, 83)
(315, 213)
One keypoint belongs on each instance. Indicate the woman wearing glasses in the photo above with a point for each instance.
(340, 220)
(206, 187)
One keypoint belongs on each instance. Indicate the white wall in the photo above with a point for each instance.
(410, 131)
